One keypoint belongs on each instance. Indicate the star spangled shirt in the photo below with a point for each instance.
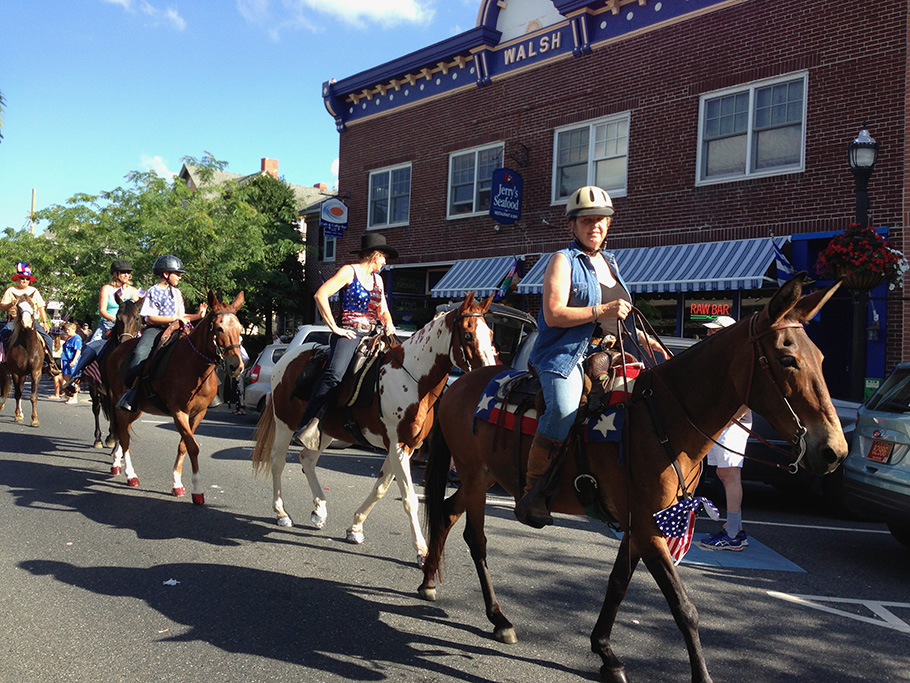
(164, 301)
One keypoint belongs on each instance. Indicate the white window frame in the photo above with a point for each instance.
(477, 183)
(590, 178)
(329, 247)
(750, 89)
(388, 171)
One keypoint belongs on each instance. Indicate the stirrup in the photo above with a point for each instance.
(309, 436)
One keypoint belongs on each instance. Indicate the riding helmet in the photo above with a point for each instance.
(167, 264)
(589, 201)
(121, 266)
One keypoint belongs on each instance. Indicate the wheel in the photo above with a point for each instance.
(261, 405)
(900, 532)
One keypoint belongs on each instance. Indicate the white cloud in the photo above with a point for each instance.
(156, 164)
(279, 15)
(169, 16)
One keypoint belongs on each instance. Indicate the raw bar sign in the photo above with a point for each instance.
(505, 196)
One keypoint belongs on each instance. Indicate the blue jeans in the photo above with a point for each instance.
(341, 353)
(130, 370)
(561, 395)
(103, 326)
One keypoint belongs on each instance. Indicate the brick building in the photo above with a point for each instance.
(716, 126)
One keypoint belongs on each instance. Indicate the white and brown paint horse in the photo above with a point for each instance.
(411, 378)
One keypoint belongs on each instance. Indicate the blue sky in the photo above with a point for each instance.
(95, 89)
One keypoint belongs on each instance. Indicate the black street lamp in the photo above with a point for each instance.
(863, 153)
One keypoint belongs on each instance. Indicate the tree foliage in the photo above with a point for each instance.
(230, 236)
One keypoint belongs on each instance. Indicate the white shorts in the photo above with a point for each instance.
(733, 438)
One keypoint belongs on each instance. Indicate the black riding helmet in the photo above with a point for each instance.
(167, 264)
(121, 266)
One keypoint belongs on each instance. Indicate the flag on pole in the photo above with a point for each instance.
(93, 371)
(785, 269)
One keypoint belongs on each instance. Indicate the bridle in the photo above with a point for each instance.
(219, 349)
(799, 436)
(464, 337)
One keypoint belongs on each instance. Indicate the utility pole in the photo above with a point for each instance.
(31, 216)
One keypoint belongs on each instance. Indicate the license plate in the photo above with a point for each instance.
(880, 451)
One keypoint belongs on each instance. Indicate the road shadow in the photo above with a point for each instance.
(319, 624)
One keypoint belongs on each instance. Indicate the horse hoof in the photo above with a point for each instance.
(133, 481)
(179, 491)
(611, 675)
(355, 537)
(98, 444)
(110, 442)
(35, 423)
(19, 419)
(421, 560)
(285, 521)
(115, 469)
(318, 522)
(428, 594)
(505, 635)
(198, 499)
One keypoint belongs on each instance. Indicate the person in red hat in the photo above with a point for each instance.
(22, 284)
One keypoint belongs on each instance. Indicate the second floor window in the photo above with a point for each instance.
(470, 179)
(594, 153)
(390, 196)
(753, 130)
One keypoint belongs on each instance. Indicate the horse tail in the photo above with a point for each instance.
(436, 520)
(265, 438)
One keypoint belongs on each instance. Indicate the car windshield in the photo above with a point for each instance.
(894, 395)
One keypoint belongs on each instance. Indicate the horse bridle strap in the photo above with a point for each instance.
(219, 350)
(462, 337)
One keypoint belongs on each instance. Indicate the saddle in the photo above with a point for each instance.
(361, 375)
(155, 366)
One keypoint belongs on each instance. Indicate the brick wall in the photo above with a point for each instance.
(659, 76)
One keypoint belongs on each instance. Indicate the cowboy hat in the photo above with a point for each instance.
(372, 241)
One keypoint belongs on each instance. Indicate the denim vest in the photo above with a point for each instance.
(561, 349)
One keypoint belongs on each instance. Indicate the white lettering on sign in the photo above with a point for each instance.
(532, 48)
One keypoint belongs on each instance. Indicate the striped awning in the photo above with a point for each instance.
(734, 264)
(482, 275)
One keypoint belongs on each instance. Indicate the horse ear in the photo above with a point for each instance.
(212, 299)
(786, 297)
(809, 306)
(238, 302)
(468, 298)
(486, 303)
(117, 297)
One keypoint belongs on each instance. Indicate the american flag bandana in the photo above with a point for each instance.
(677, 523)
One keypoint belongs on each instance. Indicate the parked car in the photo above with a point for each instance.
(876, 481)
(259, 376)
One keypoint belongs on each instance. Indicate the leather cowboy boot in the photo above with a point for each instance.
(532, 508)
(52, 368)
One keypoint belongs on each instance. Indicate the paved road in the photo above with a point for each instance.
(105, 583)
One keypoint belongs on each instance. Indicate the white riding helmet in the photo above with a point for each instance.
(589, 201)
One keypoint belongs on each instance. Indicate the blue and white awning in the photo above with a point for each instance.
(707, 266)
(482, 275)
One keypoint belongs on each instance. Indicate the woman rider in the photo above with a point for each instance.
(22, 284)
(363, 309)
(581, 288)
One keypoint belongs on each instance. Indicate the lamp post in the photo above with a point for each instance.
(862, 153)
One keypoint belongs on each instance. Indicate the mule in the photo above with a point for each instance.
(397, 418)
(24, 358)
(127, 325)
(766, 362)
(183, 392)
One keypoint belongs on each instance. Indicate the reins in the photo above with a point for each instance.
(219, 350)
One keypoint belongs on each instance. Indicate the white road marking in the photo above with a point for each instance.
(887, 618)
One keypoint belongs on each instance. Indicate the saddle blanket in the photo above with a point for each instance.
(93, 371)
(606, 426)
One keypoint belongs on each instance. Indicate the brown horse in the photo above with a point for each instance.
(766, 362)
(185, 390)
(396, 418)
(127, 325)
(24, 358)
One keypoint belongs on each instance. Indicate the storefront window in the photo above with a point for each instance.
(702, 307)
(660, 310)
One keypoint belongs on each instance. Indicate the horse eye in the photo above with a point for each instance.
(469, 337)
(788, 362)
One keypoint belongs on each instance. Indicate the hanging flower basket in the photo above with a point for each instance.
(862, 260)
(859, 280)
